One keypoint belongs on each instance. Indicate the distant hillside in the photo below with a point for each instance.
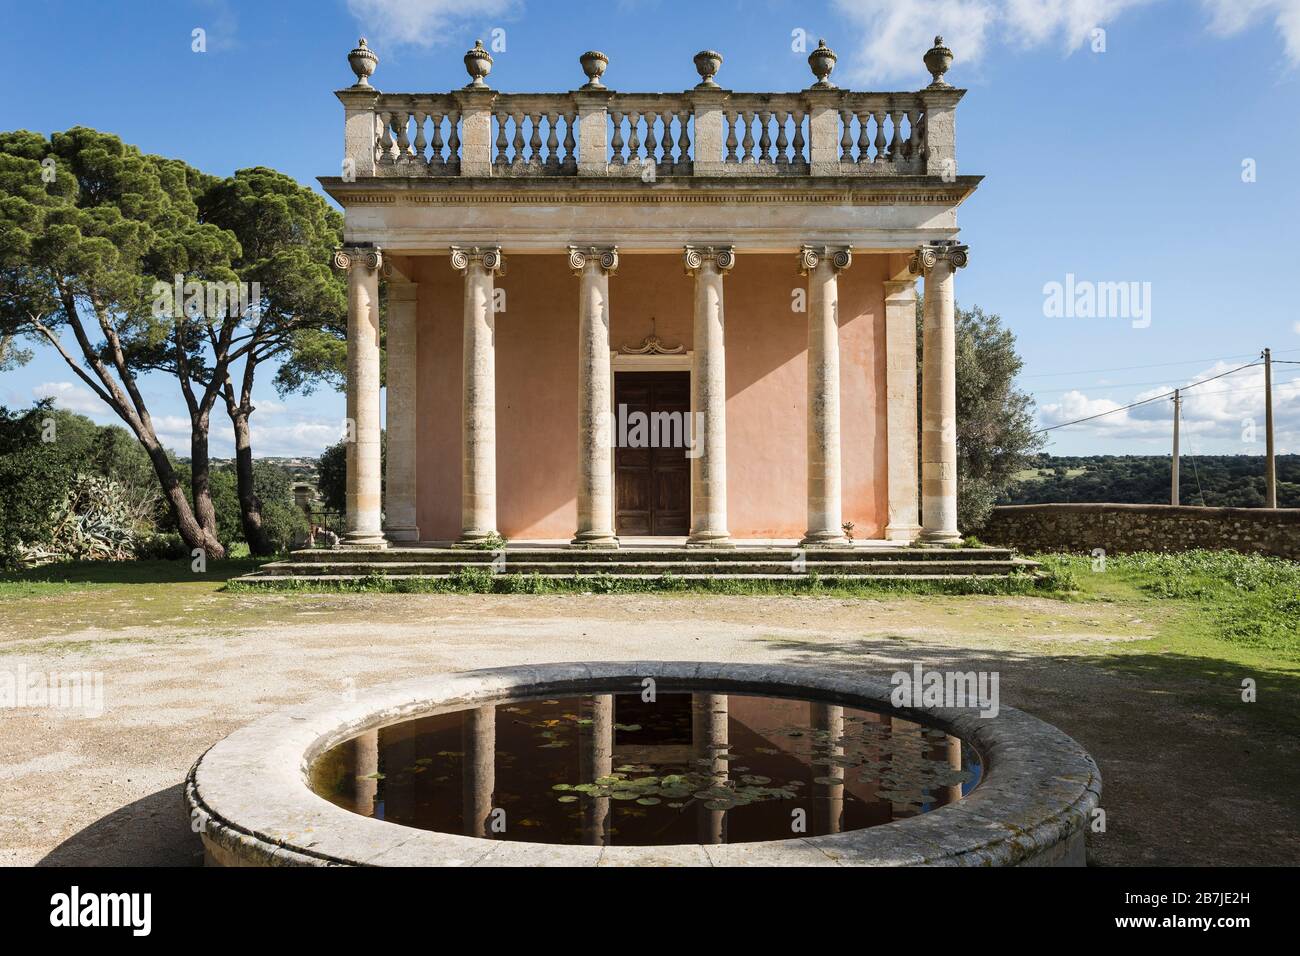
(1215, 480)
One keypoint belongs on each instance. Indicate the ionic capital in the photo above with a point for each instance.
(931, 254)
(840, 257)
(722, 258)
(366, 257)
(604, 256)
(489, 257)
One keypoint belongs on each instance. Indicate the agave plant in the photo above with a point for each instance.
(93, 522)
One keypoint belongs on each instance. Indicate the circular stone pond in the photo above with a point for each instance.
(649, 763)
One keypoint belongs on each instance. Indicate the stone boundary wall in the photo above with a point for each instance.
(1121, 529)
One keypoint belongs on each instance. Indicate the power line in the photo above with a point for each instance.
(1075, 388)
(1146, 401)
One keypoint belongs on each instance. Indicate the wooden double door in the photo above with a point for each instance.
(652, 486)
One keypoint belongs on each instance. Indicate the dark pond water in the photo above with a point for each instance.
(610, 769)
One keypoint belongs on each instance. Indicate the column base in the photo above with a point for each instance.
(474, 539)
(902, 532)
(594, 540)
(825, 539)
(402, 534)
(938, 538)
(710, 539)
(363, 541)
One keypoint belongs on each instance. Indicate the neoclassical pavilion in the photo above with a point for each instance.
(687, 316)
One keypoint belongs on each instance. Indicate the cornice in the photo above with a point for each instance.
(386, 192)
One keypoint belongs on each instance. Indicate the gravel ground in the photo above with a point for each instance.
(1188, 777)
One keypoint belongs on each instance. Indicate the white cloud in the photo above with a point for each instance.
(1229, 411)
(1230, 17)
(424, 23)
(1071, 22)
(71, 396)
(896, 33)
(306, 436)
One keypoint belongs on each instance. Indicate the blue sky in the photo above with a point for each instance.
(1122, 165)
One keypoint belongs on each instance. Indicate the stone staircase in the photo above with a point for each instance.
(742, 563)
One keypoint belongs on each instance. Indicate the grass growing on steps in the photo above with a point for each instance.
(484, 581)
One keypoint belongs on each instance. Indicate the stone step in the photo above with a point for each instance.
(643, 568)
(274, 581)
(627, 555)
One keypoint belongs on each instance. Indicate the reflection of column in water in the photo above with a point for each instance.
(596, 759)
(709, 739)
(828, 798)
(954, 762)
(905, 749)
(365, 758)
(479, 742)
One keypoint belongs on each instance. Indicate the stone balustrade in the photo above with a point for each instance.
(706, 131)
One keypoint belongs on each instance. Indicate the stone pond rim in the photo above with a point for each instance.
(249, 798)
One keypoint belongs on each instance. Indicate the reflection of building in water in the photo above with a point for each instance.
(700, 756)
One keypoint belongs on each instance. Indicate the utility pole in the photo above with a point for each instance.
(1178, 407)
(1270, 461)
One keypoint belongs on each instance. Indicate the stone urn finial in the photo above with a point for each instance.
(593, 64)
(363, 62)
(821, 61)
(707, 64)
(478, 64)
(937, 60)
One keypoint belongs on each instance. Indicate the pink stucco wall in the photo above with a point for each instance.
(537, 368)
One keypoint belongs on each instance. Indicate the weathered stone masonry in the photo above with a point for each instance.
(1122, 529)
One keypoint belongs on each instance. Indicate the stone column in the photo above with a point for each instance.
(478, 493)
(399, 468)
(594, 266)
(937, 261)
(363, 492)
(822, 264)
(479, 744)
(708, 431)
(900, 410)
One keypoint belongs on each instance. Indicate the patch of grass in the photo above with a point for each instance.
(1248, 600)
(62, 577)
(56, 599)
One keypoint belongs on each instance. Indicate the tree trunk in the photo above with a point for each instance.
(191, 532)
(201, 475)
(250, 505)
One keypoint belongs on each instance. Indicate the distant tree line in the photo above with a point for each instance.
(1227, 481)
